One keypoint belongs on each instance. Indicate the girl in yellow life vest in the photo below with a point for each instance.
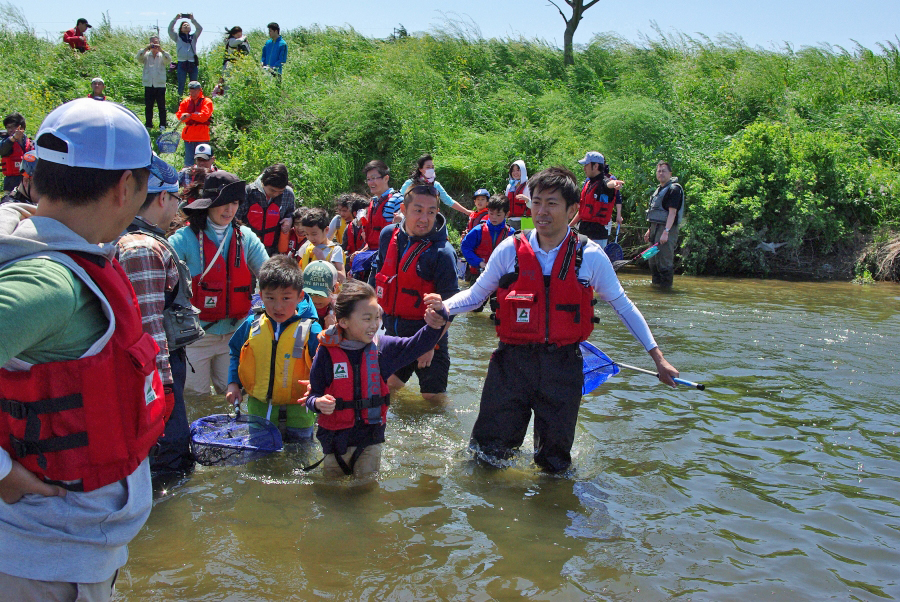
(273, 350)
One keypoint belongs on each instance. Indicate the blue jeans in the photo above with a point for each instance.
(185, 68)
(189, 148)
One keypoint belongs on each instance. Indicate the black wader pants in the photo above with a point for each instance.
(522, 379)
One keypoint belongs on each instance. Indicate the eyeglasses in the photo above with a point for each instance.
(375, 179)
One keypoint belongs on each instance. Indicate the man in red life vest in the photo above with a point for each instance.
(545, 283)
(599, 194)
(82, 402)
(385, 208)
(269, 206)
(414, 258)
(13, 146)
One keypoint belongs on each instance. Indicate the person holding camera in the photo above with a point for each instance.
(155, 61)
(186, 48)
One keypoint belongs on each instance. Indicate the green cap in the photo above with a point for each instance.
(318, 278)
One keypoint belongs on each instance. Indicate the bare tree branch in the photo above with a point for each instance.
(589, 4)
(559, 9)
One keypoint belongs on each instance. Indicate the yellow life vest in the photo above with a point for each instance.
(275, 380)
(310, 254)
(339, 235)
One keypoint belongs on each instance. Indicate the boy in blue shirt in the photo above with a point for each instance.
(483, 238)
(272, 383)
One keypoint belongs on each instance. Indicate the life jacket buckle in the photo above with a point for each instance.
(16, 409)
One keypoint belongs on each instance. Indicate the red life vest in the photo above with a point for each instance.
(476, 218)
(93, 419)
(11, 165)
(546, 309)
(356, 238)
(266, 223)
(359, 391)
(375, 221)
(486, 246)
(224, 292)
(518, 208)
(399, 287)
(595, 205)
(294, 243)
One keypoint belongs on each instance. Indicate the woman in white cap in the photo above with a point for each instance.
(223, 257)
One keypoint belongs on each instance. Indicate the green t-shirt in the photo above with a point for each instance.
(47, 313)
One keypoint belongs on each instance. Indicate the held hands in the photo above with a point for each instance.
(425, 359)
(233, 394)
(325, 404)
(286, 224)
(20, 481)
(432, 317)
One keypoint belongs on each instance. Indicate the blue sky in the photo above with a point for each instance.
(766, 23)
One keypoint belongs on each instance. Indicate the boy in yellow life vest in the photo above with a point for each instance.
(273, 390)
(318, 246)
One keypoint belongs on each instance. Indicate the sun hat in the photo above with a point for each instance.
(219, 188)
(318, 278)
(592, 157)
(203, 151)
(100, 135)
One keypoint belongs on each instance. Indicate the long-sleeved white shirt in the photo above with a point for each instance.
(595, 270)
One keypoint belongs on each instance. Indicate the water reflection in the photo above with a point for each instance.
(779, 482)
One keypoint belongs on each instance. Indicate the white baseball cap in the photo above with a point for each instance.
(592, 157)
(203, 150)
(101, 135)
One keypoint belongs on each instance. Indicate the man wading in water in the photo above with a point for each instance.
(545, 283)
(665, 213)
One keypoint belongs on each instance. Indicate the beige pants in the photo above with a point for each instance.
(209, 359)
(32, 590)
(368, 463)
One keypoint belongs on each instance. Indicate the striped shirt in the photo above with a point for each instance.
(152, 271)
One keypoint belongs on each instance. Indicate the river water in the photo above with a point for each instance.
(779, 482)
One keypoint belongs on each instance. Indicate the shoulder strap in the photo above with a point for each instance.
(301, 337)
(215, 257)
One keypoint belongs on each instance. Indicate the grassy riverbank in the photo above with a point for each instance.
(795, 146)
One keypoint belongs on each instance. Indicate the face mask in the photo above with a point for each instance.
(429, 175)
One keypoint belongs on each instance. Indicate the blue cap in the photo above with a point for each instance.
(482, 192)
(592, 157)
(29, 162)
(101, 135)
(155, 184)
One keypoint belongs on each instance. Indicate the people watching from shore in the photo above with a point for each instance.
(14, 143)
(84, 343)
(76, 37)
(348, 381)
(665, 215)
(155, 62)
(269, 206)
(598, 197)
(275, 50)
(223, 258)
(98, 89)
(518, 193)
(537, 365)
(272, 351)
(195, 112)
(236, 46)
(424, 173)
(185, 48)
(159, 283)
(414, 258)
(24, 192)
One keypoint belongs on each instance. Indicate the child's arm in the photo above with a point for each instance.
(240, 336)
(468, 244)
(320, 376)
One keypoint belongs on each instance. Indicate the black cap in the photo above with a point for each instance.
(82, 20)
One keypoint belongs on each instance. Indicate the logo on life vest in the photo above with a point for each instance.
(380, 292)
(340, 370)
(149, 393)
(524, 315)
(209, 302)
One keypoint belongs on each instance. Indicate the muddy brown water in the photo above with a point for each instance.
(779, 482)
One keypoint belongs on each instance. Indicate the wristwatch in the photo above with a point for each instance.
(665, 229)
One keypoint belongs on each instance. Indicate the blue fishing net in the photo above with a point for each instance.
(597, 367)
(229, 440)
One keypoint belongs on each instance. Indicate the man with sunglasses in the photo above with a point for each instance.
(415, 258)
(151, 265)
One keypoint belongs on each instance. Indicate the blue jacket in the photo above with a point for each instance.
(473, 239)
(274, 53)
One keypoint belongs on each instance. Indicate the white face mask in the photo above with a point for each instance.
(429, 175)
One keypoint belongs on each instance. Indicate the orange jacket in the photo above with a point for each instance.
(196, 128)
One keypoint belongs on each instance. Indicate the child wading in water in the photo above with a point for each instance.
(349, 373)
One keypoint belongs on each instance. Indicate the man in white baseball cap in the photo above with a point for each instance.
(82, 401)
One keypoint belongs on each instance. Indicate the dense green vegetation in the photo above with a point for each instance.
(794, 146)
